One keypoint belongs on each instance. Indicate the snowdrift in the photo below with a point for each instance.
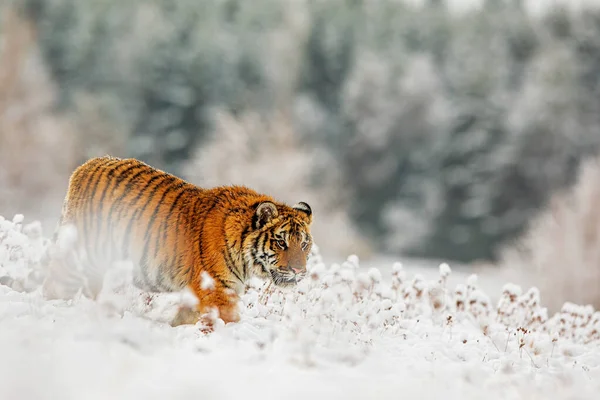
(343, 332)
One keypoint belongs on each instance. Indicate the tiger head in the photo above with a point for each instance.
(280, 242)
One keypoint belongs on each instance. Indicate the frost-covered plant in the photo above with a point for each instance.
(21, 251)
(338, 313)
(346, 309)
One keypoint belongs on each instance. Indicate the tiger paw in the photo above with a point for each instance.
(190, 316)
(229, 314)
(186, 316)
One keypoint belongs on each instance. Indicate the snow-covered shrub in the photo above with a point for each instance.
(560, 253)
(264, 154)
(344, 303)
(341, 315)
(21, 250)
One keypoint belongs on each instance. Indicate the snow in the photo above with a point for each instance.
(348, 331)
(208, 282)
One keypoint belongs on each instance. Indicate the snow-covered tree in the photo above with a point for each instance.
(449, 125)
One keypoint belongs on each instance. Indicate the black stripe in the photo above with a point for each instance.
(255, 257)
(87, 215)
(226, 253)
(187, 270)
(230, 266)
(254, 219)
(133, 203)
(83, 196)
(181, 280)
(98, 215)
(258, 246)
(119, 179)
(83, 185)
(255, 244)
(245, 233)
(117, 204)
(201, 230)
(244, 264)
(88, 218)
(171, 256)
(168, 180)
(229, 260)
(163, 228)
(264, 236)
(240, 247)
(123, 206)
(147, 236)
(220, 279)
(232, 285)
(160, 281)
(259, 261)
(173, 259)
(121, 175)
(176, 266)
(156, 211)
(143, 269)
(110, 165)
(129, 184)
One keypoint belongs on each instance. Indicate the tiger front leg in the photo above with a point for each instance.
(221, 299)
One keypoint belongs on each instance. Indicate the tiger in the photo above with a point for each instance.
(176, 233)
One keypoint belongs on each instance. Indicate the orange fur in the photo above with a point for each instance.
(174, 231)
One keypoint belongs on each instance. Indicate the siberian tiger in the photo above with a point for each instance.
(175, 233)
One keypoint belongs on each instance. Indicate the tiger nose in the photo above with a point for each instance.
(297, 270)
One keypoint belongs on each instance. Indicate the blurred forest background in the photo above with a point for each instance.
(419, 128)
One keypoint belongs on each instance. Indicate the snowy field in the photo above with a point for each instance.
(346, 332)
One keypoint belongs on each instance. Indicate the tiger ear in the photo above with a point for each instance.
(305, 208)
(265, 212)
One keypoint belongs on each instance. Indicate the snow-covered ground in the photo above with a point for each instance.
(346, 332)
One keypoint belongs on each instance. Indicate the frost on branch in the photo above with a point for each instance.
(347, 308)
